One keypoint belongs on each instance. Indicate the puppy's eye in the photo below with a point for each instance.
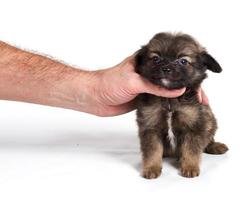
(156, 59)
(183, 61)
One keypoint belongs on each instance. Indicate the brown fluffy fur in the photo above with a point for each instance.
(193, 124)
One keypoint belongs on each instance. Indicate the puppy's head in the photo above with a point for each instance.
(174, 61)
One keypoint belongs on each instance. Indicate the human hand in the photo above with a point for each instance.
(106, 92)
(115, 89)
(202, 97)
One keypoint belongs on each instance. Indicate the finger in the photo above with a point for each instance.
(199, 95)
(148, 87)
(205, 99)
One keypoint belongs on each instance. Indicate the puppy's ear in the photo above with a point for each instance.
(140, 59)
(208, 61)
(140, 56)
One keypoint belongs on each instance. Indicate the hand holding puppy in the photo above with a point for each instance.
(116, 88)
(106, 92)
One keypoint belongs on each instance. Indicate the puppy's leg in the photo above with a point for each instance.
(152, 151)
(190, 157)
(216, 148)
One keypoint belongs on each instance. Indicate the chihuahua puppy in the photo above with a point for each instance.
(180, 127)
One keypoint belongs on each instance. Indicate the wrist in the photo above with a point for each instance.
(82, 91)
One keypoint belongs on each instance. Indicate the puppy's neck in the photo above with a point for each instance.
(190, 97)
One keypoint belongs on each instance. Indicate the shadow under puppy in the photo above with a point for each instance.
(180, 127)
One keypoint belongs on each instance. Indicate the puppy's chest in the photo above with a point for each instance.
(168, 113)
(170, 134)
(167, 116)
(177, 116)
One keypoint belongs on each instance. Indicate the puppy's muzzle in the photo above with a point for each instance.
(172, 71)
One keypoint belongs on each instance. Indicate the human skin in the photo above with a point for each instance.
(33, 78)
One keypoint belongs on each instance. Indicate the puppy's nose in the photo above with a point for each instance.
(166, 69)
(173, 72)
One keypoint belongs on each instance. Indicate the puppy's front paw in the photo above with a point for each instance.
(190, 171)
(152, 172)
(216, 148)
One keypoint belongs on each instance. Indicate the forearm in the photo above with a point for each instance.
(33, 78)
(37, 79)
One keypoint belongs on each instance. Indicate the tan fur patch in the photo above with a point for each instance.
(155, 159)
(208, 114)
(152, 115)
(188, 157)
(188, 50)
(152, 165)
(188, 58)
(153, 54)
(188, 114)
(189, 162)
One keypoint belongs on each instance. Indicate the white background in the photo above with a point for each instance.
(52, 153)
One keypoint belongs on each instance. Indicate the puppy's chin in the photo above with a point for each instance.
(165, 82)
